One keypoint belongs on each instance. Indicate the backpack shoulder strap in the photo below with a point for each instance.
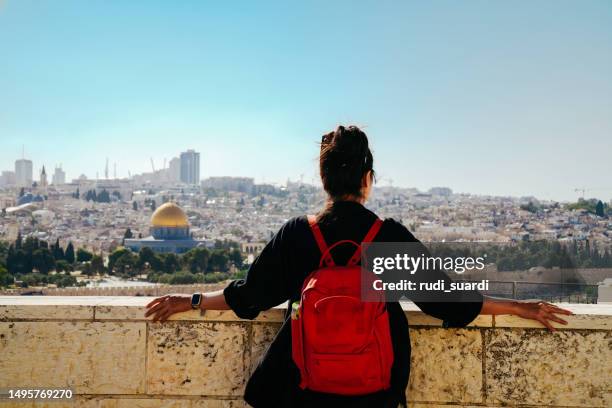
(318, 236)
(368, 238)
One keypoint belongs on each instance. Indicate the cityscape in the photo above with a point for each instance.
(168, 218)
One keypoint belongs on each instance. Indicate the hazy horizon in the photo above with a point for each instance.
(484, 98)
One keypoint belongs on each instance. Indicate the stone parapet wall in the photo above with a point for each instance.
(111, 357)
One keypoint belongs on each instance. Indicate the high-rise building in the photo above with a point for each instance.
(23, 172)
(7, 178)
(174, 169)
(59, 176)
(190, 167)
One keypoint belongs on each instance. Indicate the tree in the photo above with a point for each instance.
(58, 251)
(69, 254)
(43, 260)
(153, 205)
(127, 235)
(127, 264)
(4, 247)
(63, 266)
(146, 257)
(135, 205)
(103, 197)
(97, 264)
(599, 209)
(196, 259)
(114, 257)
(83, 255)
(235, 257)
(5, 278)
(171, 263)
(218, 261)
(86, 269)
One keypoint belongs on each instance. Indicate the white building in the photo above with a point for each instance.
(23, 172)
(7, 178)
(190, 167)
(59, 177)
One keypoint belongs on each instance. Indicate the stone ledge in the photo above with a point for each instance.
(131, 308)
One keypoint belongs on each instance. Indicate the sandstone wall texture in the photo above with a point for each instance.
(104, 350)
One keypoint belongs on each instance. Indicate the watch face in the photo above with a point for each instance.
(195, 299)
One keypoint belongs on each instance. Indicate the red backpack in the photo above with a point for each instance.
(340, 344)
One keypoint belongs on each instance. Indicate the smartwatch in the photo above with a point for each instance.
(196, 299)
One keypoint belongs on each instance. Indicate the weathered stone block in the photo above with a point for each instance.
(262, 336)
(568, 368)
(197, 358)
(87, 357)
(446, 365)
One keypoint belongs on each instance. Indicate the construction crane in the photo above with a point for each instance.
(583, 190)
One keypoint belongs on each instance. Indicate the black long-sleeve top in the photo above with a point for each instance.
(277, 275)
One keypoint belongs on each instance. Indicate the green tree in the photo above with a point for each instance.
(4, 247)
(43, 260)
(218, 261)
(196, 260)
(18, 241)
(86, 269)
(171, 264)
(97, 264)
(58, 251)
(148, 258)
(83, 255)
(599, 209)
(127, 264)
(114, 257)
(235, 257)
(135, 206)
(103, 197)
(63, 266)
(69, 254)
(127, 235)
(5, 278)
(16, 261)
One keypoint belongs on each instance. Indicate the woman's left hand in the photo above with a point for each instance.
(543, 312)
(163, 307)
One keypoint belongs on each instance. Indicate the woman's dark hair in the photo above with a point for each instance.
(345, 158)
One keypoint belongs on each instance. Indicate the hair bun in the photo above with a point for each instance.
(345, 157)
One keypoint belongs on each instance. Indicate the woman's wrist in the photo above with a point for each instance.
(498, 306)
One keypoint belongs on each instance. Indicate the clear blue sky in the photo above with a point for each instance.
(505, 98)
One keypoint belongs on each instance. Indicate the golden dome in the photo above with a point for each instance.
(169, 215)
